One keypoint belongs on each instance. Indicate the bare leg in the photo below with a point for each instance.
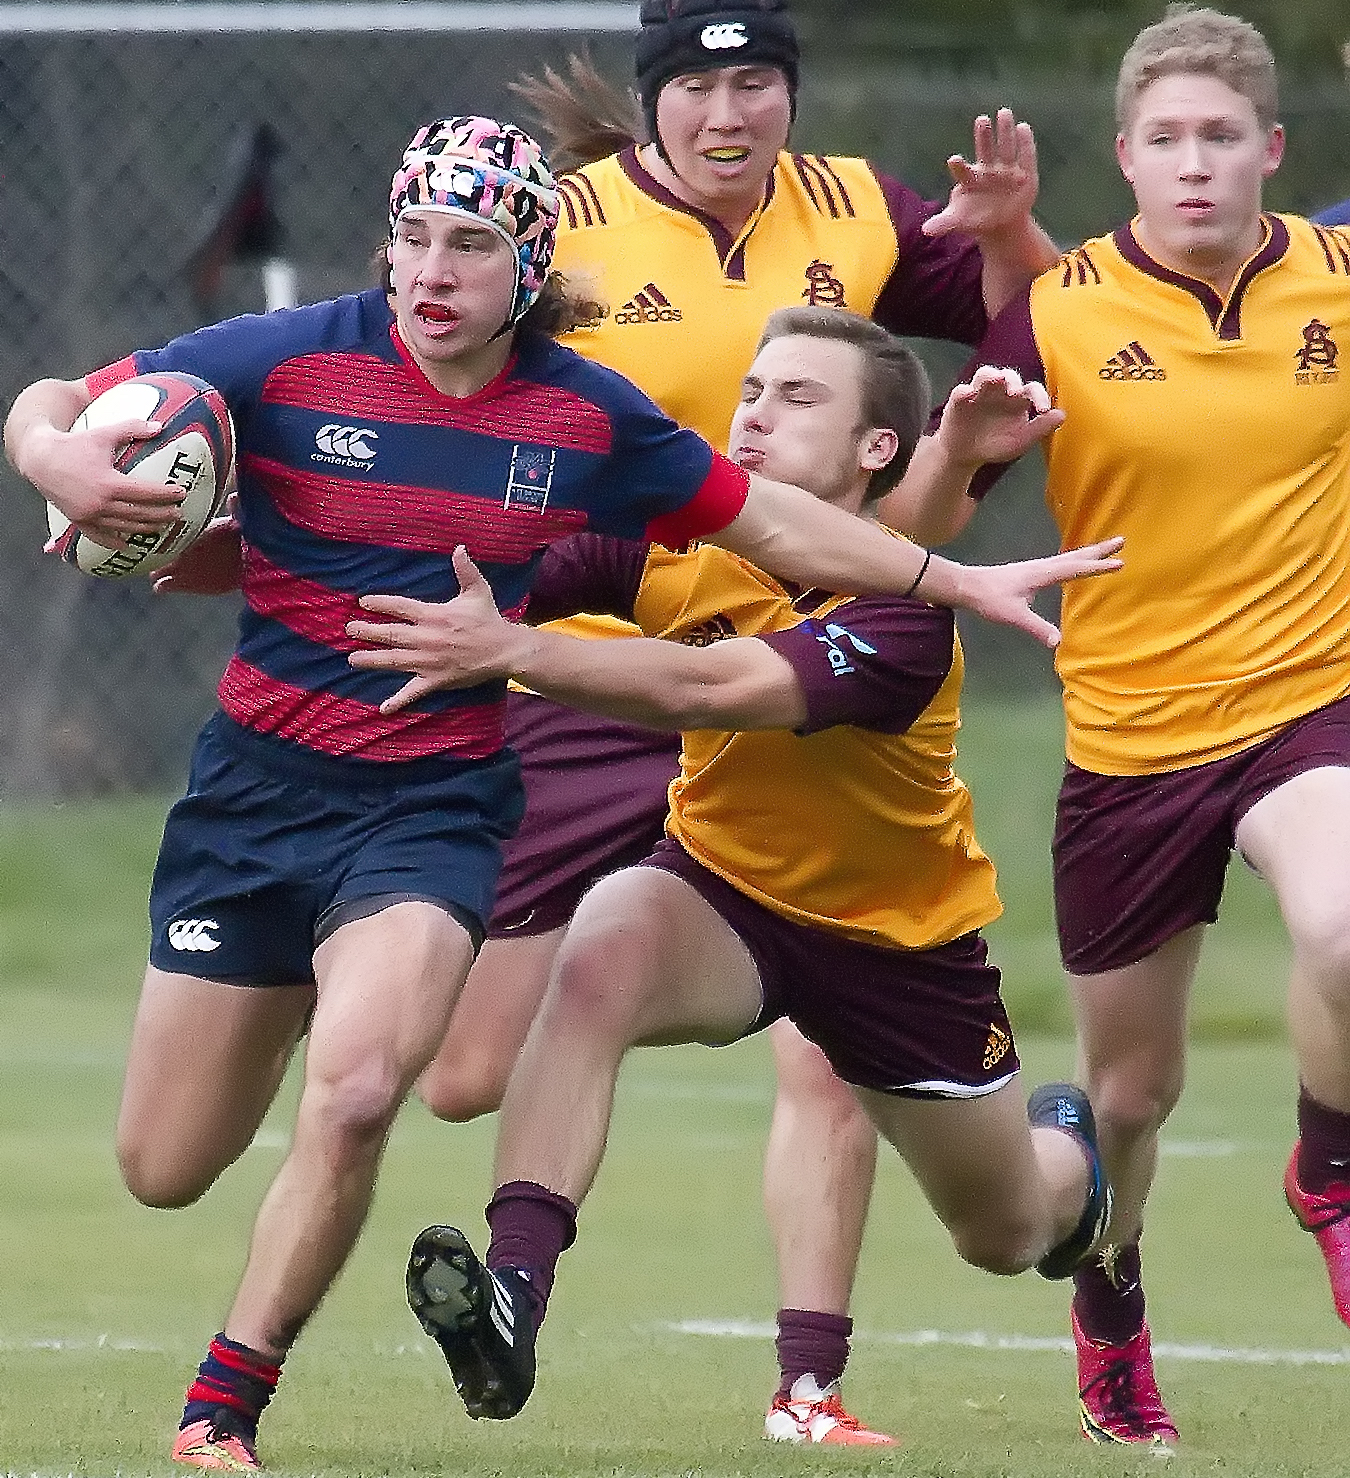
(1006, 1193)
(386, 987)
(623, 976)
(1132, 1062)
(468, 1075)
(818, 1171)
(205, 1063)
(1298, 838)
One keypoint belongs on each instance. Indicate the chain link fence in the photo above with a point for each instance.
(118, 146)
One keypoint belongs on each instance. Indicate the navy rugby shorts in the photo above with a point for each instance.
(271, 841)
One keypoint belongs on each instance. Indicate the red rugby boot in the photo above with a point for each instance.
(1118, 1398)
(808, 1414)
(1326, 1214)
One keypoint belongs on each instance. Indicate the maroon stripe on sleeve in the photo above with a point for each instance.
(399, 517)
(935, 290)
(588, 572)
(342, 726)
(711, 509)
(1011, 342)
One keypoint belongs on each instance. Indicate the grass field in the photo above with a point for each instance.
(657, 1356)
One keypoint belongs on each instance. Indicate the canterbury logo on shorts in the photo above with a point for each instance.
(192, 936)
(724, 36)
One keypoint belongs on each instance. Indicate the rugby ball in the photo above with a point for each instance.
(193, 451)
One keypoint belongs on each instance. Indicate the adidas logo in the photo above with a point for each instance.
(997, 1046)
(650, 305)
(501, 1313)
(1133, 362)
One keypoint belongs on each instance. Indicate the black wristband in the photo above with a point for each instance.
(918, 579)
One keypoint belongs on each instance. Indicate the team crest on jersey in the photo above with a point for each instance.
(1133, 362)
(648, 305)
(531, 477)
(707, 632)
(823, 289)
(1316, 361)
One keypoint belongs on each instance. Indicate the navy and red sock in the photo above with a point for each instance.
(531, 1229)
(234, 1377)
(811, 1342)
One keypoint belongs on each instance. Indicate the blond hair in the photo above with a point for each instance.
(1199, 41)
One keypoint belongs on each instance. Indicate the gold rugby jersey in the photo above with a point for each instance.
(688, 301)
(1214, 434)
(858, 825)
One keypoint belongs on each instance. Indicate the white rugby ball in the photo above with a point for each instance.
(193, 451)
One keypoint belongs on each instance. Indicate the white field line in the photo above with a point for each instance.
(979, 1339)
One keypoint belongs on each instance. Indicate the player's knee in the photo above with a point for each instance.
(1321, 938)
(1005, 1247)
(462, 1090)
(1131, 1106)
(354, 1108)
(600, 982)
(161, 1181)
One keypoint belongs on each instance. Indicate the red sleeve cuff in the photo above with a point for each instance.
(711, 509)
(110, 375)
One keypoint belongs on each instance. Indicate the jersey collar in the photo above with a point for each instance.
(1225, 315)
(730, 249)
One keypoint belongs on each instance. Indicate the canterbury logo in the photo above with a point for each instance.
(650, 305)
(346, 443)
(190, 935)
(501, 1313)
(1133, 362)
(725, 36)
(996, 1047)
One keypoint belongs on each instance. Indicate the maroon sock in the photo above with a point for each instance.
(811, 1342)
(531, 1229)
(1324, 1145)
(1108, 1298)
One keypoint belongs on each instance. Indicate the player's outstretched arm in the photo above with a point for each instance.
(991, 199)
(737, 684)
(797, 537)
(996, 416)
(74, 469)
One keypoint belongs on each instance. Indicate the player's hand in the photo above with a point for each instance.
(1004, 593)
(213, 564)
(74, 470)
(999, 189)
(996, 416)
(446, 644)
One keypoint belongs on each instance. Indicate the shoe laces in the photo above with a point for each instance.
(1127, 1396)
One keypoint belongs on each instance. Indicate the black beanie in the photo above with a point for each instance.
(680, 36)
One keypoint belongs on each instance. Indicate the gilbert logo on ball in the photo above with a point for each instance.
(193, 452)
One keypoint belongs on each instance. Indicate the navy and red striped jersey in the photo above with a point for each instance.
(357, 476)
